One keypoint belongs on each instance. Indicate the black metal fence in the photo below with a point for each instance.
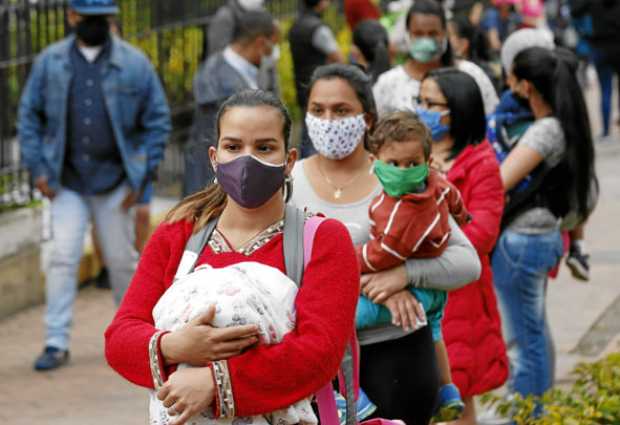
(171, 32)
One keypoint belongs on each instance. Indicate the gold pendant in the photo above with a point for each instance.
(338, 193)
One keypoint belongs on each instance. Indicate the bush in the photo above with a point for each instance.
(594, 398)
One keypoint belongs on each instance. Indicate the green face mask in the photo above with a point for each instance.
(424, 49)
(397, 181)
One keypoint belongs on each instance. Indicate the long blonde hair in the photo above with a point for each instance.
(209, 203)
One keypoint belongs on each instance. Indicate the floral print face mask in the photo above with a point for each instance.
(336, 139)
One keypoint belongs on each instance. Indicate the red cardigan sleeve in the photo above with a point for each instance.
(485, 202)
(272, 377)
(127, 338)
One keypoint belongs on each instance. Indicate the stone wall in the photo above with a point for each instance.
(21, 280)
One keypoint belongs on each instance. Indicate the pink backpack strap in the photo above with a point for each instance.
(310, 228)
(328, 413)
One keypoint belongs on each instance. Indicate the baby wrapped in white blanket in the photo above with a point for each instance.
(243, 293)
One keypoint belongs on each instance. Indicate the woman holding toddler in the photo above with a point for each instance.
(398, 369)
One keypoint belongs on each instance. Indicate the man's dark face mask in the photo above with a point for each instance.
(93, 30)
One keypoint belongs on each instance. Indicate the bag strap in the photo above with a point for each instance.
(293, 247)
(521, 201)
(348, 375)
(328, 412)
(193, 248)
(294, 230)
(348, 378)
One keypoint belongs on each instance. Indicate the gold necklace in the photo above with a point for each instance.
(337, 189)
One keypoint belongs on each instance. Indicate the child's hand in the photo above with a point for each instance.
(406, 311)
(380, 286)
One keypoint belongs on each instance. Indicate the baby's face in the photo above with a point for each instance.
(405, 154)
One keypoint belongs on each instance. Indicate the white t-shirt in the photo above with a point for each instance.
(90, 53)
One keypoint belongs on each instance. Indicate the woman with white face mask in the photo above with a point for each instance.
(338, 182)
(428, 49)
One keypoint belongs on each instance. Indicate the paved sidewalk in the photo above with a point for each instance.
(87, 392)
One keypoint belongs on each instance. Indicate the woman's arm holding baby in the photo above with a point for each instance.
(134, 344)
(198, 342)
(457, 266)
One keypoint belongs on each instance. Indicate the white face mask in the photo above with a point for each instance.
(251, 4)
(336, 139)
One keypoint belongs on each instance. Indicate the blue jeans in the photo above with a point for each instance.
(520, 265)
(605, 74)
(71, 214)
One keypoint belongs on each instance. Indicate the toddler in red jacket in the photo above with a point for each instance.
(410, 219)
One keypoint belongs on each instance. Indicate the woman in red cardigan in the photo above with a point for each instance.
(471, 324)
(234, 375)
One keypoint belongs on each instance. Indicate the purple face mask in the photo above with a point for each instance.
(249, 181)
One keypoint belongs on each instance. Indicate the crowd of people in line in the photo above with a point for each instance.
(445, 168)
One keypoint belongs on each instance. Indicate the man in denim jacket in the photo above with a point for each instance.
(93, 123)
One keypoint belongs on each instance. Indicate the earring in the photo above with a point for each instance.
(287, 182)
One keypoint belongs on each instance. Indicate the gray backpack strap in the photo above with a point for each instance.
(346, 370)
(293, 235)
(194, 246)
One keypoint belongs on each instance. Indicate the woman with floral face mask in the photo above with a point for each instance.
(235, 375)
(337, 182)
(428, 49)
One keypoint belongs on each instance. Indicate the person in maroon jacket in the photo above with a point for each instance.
(471, 324)
(235, 376)
(357, 11)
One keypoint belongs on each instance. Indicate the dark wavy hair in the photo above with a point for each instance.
(467, 118)
(355, 77)
(209, 203)
(479, 50)
(553, 74)
(255, 98)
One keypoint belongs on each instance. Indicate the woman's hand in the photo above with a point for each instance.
(378, 287)
(199, 343)
(188, 392)
(406, 311)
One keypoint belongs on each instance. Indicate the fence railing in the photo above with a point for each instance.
(170, 32)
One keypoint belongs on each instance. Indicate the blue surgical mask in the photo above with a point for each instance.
(432, 119)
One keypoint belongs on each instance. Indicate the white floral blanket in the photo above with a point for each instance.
(244, 293)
